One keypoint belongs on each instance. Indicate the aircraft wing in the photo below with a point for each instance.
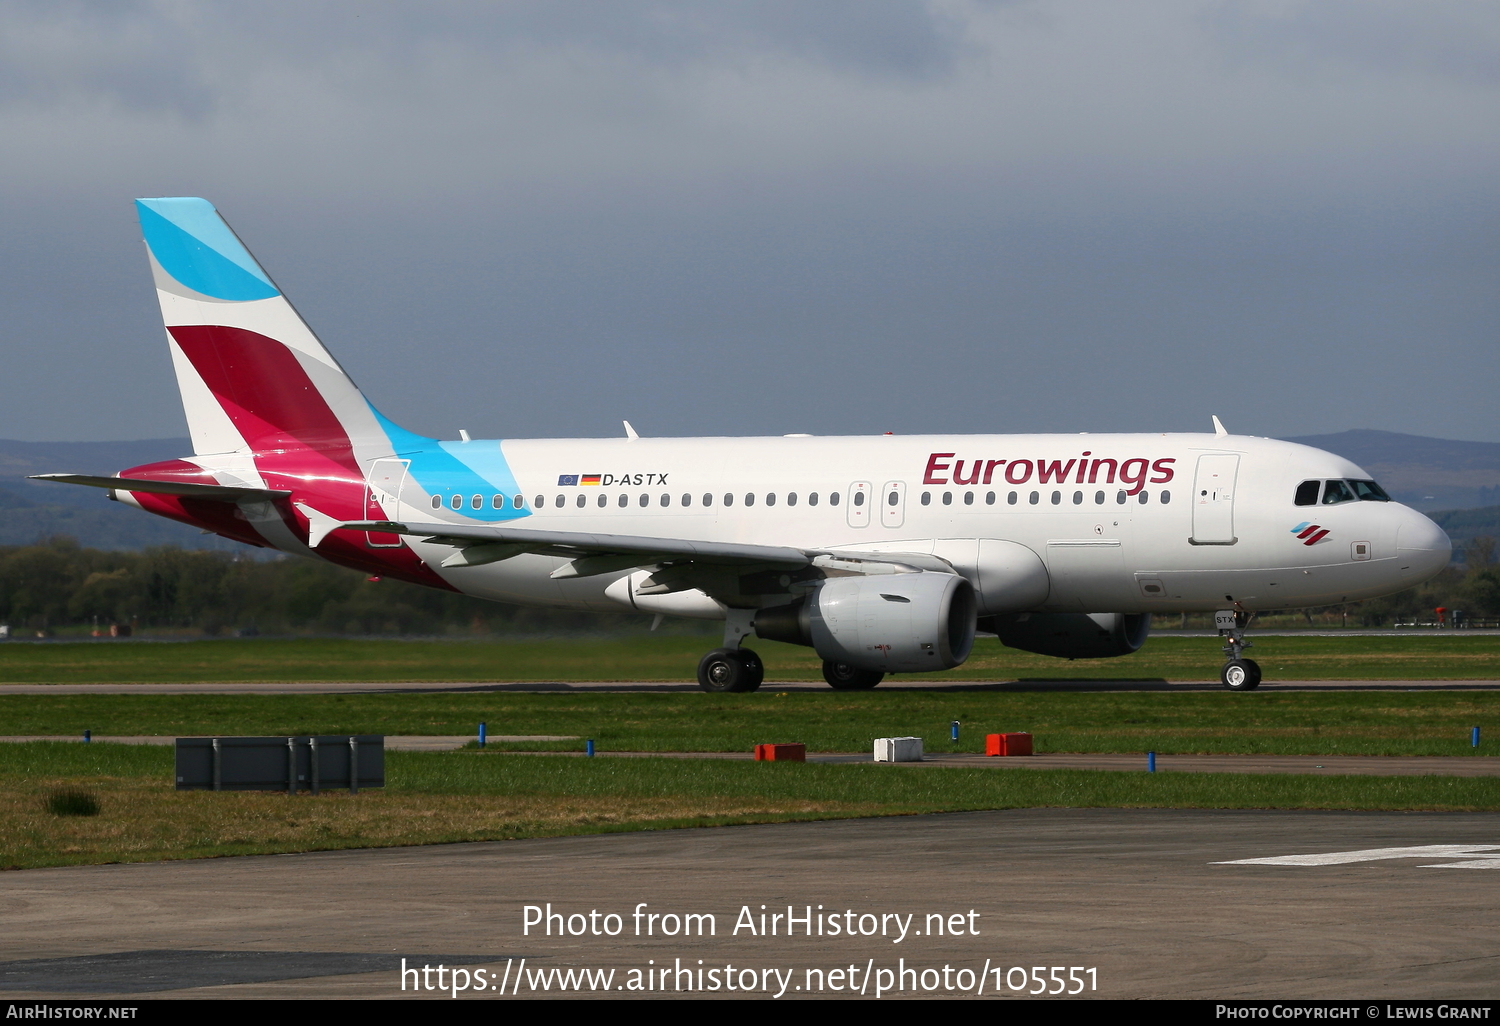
(188, 490)
(592, 554)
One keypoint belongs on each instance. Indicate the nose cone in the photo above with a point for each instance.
(1422, 545)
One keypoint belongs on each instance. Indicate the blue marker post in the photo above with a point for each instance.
(88, 736)
(1474, 738)
(1150, 762)
(481, 733)
(590, 750)
(953, 730)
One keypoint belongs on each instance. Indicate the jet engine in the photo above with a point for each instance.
(892, 623)
(1071, 635)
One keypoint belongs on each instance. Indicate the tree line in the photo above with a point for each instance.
(58, 585)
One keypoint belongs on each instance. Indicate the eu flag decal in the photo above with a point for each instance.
(566, 479)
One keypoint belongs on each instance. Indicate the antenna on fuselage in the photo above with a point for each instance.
(1219, 428)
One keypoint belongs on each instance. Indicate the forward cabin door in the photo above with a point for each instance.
(382, 491)
(1213, 499)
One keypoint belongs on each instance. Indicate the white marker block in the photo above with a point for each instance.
(898, 749)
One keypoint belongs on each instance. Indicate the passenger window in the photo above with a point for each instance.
(541, 501)
(1336, 491)
(749, 498)
(1036, 497)
(1098, 498)
(770, 498)
(518, 501)
(1307, 493)
(457, 502)
(687, 500)
(1144, 497)
(437, 502)
(927, 498)
(603, 501)
(1056, 498)
(582, 501)
(560, 501)
(1120, 497)
(859, 498)
(989, 498)
(1369, 491)
(624, 500)
(1166, 497)
(893, 499)
(708, 500)
(791, 498)
(476, 502)
(968, 498)
(812, 500)
(497, 502)
(729, 498)
(833, 498)
(666, 500)
(947, 498)
(1078, 498)
(645, 499)
(1010, 500)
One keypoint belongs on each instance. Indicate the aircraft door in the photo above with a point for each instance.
(857, 503)
(1213, 499)
(892, 501)
(382, 495)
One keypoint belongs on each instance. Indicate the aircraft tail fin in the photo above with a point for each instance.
(252, 374)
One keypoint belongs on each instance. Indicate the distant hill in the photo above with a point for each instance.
(32, 510)
(1425, 473)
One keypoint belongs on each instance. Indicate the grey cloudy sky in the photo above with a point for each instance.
(837, 216)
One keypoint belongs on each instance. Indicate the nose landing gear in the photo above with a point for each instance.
(1238, 674)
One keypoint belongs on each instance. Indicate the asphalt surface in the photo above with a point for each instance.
(1143, 897)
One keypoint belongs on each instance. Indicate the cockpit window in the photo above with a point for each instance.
(1369, 491)
(1336, 491)
(1307, 493)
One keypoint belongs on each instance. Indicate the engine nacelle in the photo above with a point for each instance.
(1071, 635)
(894, 623)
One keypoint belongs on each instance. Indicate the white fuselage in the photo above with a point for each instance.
(1123, 522)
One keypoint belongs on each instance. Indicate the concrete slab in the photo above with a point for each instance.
(1139, 896)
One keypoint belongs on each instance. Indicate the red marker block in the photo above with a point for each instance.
(780, 753)
(1007, 744)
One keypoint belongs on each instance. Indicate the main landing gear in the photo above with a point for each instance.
(732, 668)
(1238, 674)
(843, 677)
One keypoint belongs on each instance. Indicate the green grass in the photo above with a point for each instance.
(470, 796)
(1291, 722)
(1397, 656)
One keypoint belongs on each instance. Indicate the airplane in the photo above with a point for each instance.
(884, 554)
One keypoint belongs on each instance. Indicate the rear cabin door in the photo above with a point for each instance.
(1213, 499)
(382, 490)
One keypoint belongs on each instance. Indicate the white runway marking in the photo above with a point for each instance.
(1488, 857)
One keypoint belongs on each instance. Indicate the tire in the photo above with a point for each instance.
(1240, 675)
(843, 677)
(728, 669)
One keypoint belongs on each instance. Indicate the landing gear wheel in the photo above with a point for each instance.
(730, 669)
(844, 677)
(1240, 675)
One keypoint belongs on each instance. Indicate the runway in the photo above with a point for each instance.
(1144, 898)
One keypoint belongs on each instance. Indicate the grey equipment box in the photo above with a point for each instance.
(288, 764)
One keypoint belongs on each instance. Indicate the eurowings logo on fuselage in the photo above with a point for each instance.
(1309, 534)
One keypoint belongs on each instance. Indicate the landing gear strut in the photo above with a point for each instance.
(1238, 674)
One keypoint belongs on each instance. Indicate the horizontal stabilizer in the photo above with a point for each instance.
(185, 489)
